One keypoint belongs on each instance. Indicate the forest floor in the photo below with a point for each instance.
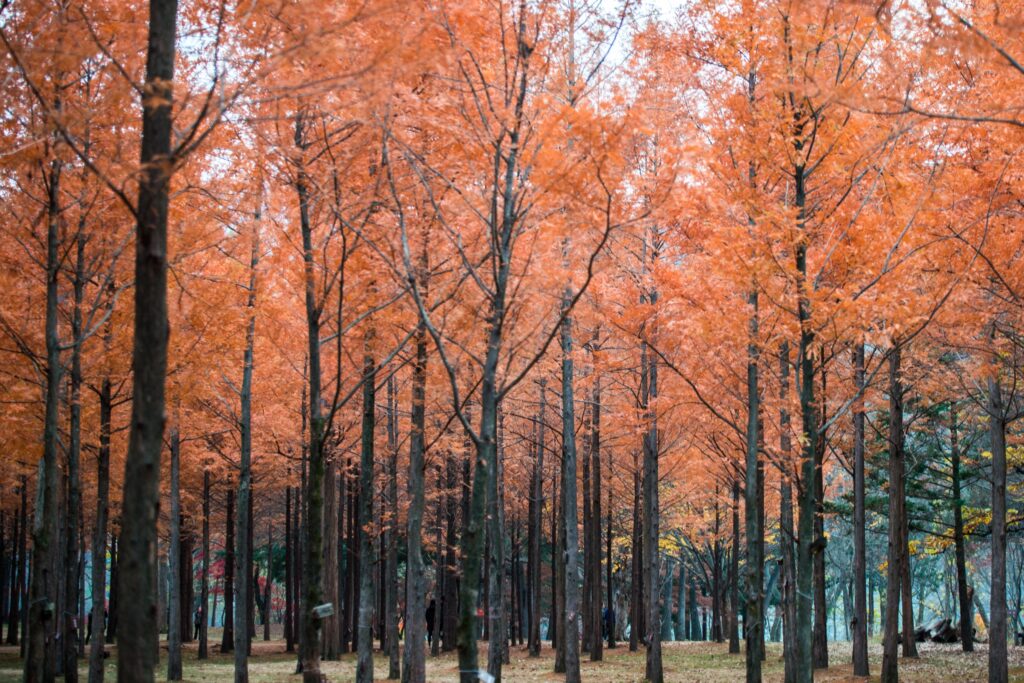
(685, 662)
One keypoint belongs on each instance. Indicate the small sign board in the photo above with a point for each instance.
(324, 610)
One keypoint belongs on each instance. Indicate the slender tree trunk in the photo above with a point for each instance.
(245, 590)
(734, 572)
(227, 643)
(289, 578)
(472, 538)
(268, 582)
(860, 636)
(569, 502)
(312, 565)
(415, 601)
(808, 457)
(99, 537)
(137, 648)
(596, 646)
(496, 566)
(115, 582)
(963, 593)
(636, 565)
(997, 663)
(890, 673)
(39, 666)
(73, 567)
(820, 540)
(906, 591)
(364, 649)
(391, 540)
(204, 589)
(174, 627)
(652, 512)
(536, 510)
(330, 635)
(18, 589)
(754, 620)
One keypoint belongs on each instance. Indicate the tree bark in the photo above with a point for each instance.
(997, 662)
(137, 648)
(73, 565)
(754, 620)
(860, 636)
(364, 649)
(734, 572)
(652, 512)
(42, 620)
(569, 501)
(963, 592)
(496, 565)
(415, 601)
(204, 589)
(596, 646)
(330, 635)
(536, 510)
(174, 601)
(227, 643)
(312, 565)
(890, 673)
(808, 458)
(99, 537)
(245, 590)
(18, 588)
(391, 540)
(636, 560)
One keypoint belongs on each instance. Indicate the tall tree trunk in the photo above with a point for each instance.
(174, 602)
(754, 620)
(74, 568)
(99, 537)
(997, 664)
(536, 510)
(571, 627)
(496, 563)
(415, 601)
(364, 665)
(289, 578)
(472, 538)
(39, 666)
(449, 601)
(808, 457)
(245, 590)
(789, 613)
(636, 560)
(186, 573)
(860, 635)
(963, 592)
(667, 632)
(906, 591)
(204, 589)
(734, 572)
(18, 589)
(113, 609)
(136, 650)
(312, 565)
(652, 512)
(820, 540)
(227, 643)
(890, 673)
(330, 635)
(391, 539)
(596, 646)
